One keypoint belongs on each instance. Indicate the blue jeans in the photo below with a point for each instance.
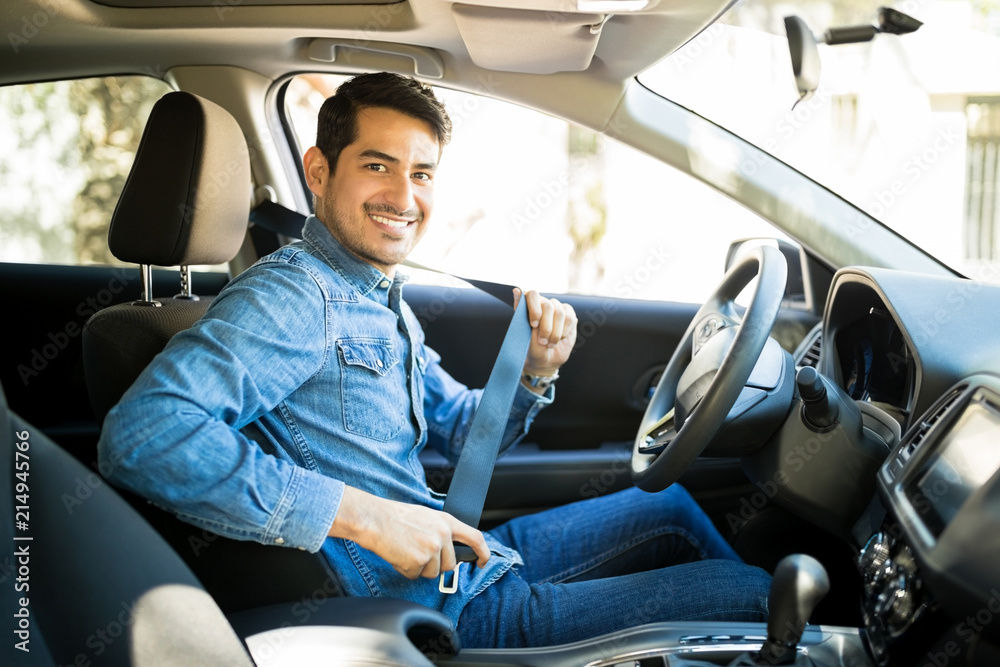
(610, 563)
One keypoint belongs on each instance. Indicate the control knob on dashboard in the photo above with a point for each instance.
(897, 605)
(874, 555)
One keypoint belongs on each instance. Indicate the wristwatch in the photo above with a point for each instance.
(539, 382)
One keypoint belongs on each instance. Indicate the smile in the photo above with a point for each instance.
(389, 222)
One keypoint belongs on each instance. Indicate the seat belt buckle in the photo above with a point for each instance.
(453, 586)
(463, 554)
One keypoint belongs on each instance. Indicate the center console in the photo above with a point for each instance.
(931, 570)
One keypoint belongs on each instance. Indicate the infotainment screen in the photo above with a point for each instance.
(964, 459)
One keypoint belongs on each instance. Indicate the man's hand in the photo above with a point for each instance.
(415, 540)
(553, 334)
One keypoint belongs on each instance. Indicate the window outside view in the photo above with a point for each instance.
(66, 148)
(521, 197)
(902, 126)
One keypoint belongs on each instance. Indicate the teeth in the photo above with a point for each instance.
(398, 224)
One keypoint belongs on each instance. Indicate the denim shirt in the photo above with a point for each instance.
(307, 372)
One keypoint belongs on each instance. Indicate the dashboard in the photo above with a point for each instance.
(875, 363)
(931, 570)
(923, 350)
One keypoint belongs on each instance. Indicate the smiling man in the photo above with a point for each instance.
(293, 414)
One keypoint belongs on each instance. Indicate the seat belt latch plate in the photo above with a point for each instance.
(453, 586)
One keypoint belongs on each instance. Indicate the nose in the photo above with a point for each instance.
(400, 194)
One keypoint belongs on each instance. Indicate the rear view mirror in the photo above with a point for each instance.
(803, 49)
(805, 57)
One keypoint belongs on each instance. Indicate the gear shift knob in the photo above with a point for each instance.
(798, 585)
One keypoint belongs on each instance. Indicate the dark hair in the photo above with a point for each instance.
(338, 117)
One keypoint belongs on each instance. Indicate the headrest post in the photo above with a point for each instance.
(146, 273)
(147, 282)
(186, 285)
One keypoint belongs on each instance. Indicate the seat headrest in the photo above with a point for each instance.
(187, 197)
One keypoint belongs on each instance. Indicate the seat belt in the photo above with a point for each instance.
(471, 479)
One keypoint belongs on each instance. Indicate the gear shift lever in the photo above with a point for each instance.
(798, 584)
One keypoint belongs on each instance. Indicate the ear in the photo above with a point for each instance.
(317, 170)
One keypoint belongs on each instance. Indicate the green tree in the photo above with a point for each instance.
(69, 146)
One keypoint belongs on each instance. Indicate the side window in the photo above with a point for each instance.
(66, 148)
(521, 197)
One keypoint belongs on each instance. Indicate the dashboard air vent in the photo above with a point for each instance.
(811, 356)
(920, 430)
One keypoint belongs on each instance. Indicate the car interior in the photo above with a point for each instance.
(833, 404)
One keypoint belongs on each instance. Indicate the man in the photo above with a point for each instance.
(294, 411)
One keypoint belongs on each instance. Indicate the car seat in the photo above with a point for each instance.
(187, 201)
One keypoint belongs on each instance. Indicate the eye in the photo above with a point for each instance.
(422, 176)
(376, 167)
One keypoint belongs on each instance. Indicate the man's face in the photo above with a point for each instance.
(378, 200)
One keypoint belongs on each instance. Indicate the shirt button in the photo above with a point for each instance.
(378, 362)
(279, 540)
(384, 284)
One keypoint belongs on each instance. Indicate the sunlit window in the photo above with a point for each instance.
(66, 148)
(899, 126)
(525, 198)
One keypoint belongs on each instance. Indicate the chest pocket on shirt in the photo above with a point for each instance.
(373, 388)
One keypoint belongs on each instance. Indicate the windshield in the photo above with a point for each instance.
(906, 127)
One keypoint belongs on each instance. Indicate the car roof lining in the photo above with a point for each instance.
(80, 38)
(147, 4)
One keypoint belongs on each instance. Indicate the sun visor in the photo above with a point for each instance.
(529, 41)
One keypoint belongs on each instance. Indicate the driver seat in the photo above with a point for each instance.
(187, 201)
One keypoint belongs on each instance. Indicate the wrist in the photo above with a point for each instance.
(539, 382)
(354, 517)
(543, 371)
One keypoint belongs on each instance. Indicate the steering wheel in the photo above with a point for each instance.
(708, 373)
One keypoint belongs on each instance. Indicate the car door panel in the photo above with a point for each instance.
(579, 446)
(620, 343)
